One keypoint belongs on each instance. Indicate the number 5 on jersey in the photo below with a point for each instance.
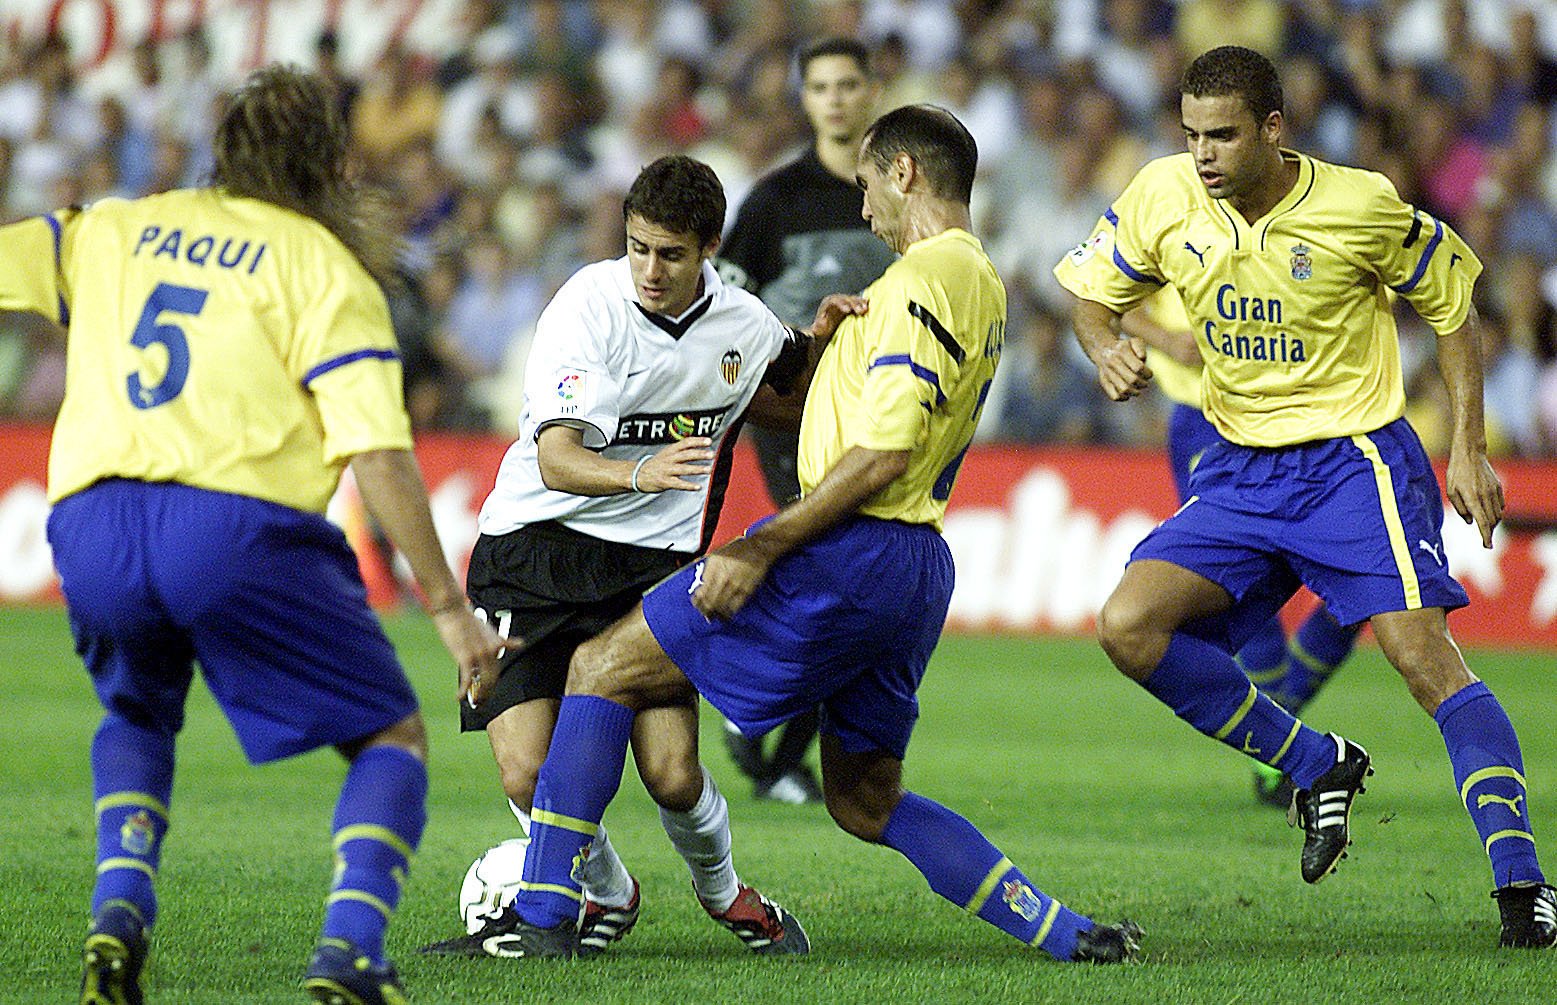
(149, 331)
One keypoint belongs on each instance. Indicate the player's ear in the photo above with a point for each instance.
(712, 246)
(1272, 127)
(904, 170)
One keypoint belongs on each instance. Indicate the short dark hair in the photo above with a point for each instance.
(836, 45)
(1234, 70)
(680, 194)
(940, 145)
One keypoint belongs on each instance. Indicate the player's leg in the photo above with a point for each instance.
(141, 666)
(1140, 627)
(279, 618)
(610, 679)
(697, 820)
(865, 796)
(1488, 767)
(1317, 649)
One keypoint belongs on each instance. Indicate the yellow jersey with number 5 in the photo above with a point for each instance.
(910, 374)
(219, 342)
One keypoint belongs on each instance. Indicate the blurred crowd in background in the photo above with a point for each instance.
(506, 162)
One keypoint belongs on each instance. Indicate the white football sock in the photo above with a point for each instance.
(702, 836)
(606, 880)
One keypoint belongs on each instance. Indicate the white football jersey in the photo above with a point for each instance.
(634, 382)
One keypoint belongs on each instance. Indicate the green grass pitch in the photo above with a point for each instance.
(1104, 798)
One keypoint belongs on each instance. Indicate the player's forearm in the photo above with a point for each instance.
(1459, 361)
(1178, 344)
(1096, 327)
(571, 467)
(391, 485)
(857, 477)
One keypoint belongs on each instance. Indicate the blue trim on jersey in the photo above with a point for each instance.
(1130, 271)
(342, 360)
(1421, 266)
(924, 373)
(59, 237)
(1111, 217)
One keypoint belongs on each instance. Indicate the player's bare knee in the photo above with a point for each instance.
(1125, 631)
(676, 783)
(856, 818)
(589, 669)
(518, 775)
(409, 734)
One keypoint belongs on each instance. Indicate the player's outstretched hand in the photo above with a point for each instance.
(475, 648)
(1474, 491)
(1122, 369)
(831, 312)
(675, 466)
(728, 578)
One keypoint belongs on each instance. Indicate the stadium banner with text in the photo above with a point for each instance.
(1040, 535)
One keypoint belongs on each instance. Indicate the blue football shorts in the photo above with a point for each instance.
(847, 621)
(1357, 519)
(1190, 435)
(267, 598)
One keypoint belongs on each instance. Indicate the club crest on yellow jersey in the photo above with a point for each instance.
(1302, 264)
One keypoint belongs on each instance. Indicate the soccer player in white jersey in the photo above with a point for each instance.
(229, 354)
(642, 371)
(837, 600)
(1288, 268)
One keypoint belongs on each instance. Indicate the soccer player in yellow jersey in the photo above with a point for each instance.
(1286, 266)
(1291, 672)
(229, 355)
(838, 599)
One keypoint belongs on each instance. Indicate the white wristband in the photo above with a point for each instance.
(637, 468)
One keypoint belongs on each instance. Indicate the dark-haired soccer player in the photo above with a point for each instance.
(1288, 267)
(798, 237)
(839, 599)
(230, 354)
(643, 369)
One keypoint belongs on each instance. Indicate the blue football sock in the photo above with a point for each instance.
(378, 824)
(1489, 771)
(582, 772)
(132, 782)
(962, 866)
(1205, 688)
(1264, 657)
(1320, 645)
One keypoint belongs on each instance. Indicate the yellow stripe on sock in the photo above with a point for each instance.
(1477, 777)
(372, 832)
(1297, 725)
(565, 822)
(982, 893)
(110, 864)
(1392, 525)
(561, 891)
(361, 897)
(1243, 710)
(1316, 666)
(1263, 677)
(1500, 835)
(142, 799)
(1048, 923)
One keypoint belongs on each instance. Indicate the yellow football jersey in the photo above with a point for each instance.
(1179, 381)
(910, 374)
(1291, 313)
(214, 341)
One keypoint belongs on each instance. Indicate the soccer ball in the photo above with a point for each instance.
(491, 882)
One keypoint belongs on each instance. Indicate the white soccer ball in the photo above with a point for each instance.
(491, 882)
